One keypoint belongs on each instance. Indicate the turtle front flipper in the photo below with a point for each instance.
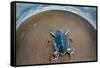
(53, 34)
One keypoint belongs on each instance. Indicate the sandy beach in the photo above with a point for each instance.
(34, 44)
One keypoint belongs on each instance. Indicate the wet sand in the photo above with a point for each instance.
(34, 44)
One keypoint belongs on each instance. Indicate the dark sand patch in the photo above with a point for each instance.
(34, 44)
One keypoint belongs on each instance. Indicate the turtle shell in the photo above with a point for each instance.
(62, 41)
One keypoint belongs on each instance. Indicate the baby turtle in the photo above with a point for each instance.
(61, 44)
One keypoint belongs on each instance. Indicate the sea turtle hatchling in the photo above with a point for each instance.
(61, 44)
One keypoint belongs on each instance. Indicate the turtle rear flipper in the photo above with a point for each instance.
(55, 55)
(70, 50)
